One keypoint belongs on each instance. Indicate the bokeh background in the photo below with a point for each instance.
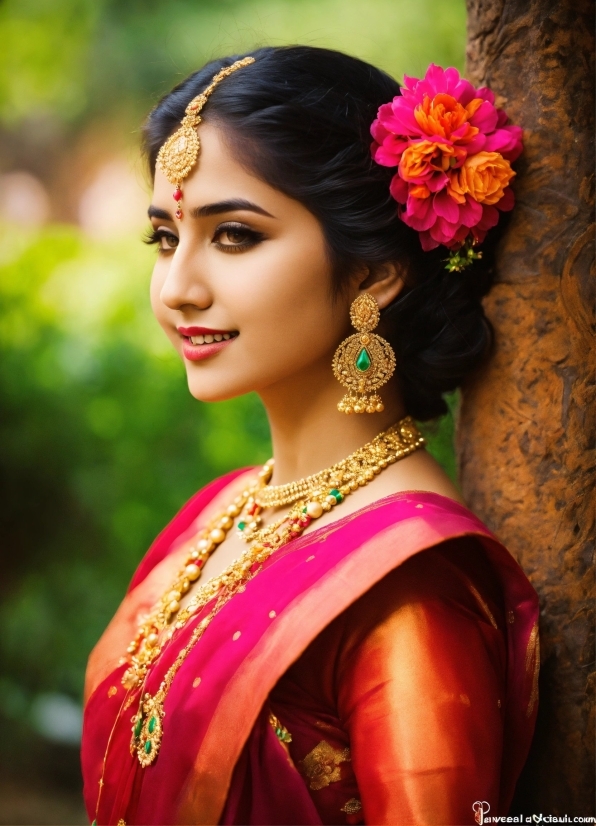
(100, 441)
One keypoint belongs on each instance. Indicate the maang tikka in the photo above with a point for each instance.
(179, 153)
(364, 361)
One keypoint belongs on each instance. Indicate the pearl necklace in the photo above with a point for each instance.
(349, 474)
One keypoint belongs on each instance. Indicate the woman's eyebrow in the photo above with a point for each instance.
(156, 212)
(228, 206)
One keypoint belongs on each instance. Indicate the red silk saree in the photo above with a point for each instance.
(397, 645)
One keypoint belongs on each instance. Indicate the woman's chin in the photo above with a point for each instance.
(216, 393)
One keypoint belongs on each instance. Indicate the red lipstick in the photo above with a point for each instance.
(202, 342)
(198, 331)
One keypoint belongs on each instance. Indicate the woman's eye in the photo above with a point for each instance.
(165, 241)
(168, 242)
(235, 237)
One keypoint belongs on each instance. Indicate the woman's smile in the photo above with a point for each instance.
(202, 342)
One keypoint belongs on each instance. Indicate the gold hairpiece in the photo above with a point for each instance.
(179, 153)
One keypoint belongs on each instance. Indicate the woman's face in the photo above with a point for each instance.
(242, 283)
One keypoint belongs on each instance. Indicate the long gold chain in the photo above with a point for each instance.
(311, 498)
(150, 637)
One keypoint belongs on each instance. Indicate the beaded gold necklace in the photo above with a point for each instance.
(310, 498)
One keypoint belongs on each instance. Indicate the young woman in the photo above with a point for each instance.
(333, 638)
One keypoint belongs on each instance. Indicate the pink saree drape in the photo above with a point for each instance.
(399, 647)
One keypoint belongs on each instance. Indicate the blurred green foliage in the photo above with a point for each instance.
(80, 58)
(100, 441)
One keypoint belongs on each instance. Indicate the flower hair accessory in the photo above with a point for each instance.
(453, 151)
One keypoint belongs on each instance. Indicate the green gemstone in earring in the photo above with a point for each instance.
(241, 526)
(363, 361)
(151, 726)
(148, 746)
(138, 727)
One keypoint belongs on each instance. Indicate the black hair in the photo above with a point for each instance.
(299, 117)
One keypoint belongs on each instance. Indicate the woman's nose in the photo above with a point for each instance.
(183, 284)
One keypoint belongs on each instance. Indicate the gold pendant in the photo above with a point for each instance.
(179, 153)
(147, 730)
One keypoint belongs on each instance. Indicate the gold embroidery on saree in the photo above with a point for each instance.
(321, 765)
(533, 661)
(352, 806)
(482, 604)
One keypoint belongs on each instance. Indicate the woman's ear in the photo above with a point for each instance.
(384, 283)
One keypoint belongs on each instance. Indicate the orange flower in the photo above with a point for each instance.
(443, 115)
(483, 176)
(424, 158)
(420, 191)
(456, 188)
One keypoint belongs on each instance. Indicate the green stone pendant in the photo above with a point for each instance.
(363, 361)
(137, 728)
(283, 735)
(149, 740)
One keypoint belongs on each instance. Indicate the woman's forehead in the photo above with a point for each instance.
(219, 176)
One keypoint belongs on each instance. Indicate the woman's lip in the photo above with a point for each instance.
(202, 331)
(198, 352)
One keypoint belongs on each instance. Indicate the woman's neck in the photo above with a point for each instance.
(308, 432)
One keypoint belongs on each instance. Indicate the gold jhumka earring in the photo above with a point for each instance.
(179, 153)
(364, 361)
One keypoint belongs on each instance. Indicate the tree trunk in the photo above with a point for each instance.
(526, 421)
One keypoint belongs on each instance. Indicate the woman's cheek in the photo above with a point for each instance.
(155, 287)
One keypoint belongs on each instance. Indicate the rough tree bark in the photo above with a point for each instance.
(525, 427)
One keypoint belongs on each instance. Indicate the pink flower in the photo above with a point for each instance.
(452, 148)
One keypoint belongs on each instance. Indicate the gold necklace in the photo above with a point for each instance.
(351, 473)
(150, 638)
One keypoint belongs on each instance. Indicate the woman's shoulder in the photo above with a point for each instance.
(452, 577)
(449, 593)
